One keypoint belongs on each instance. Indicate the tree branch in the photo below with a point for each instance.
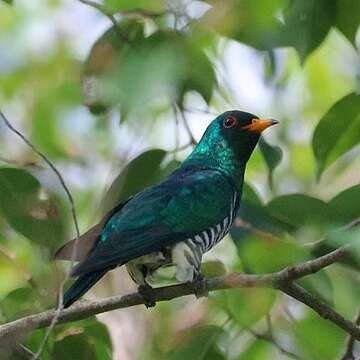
(299, 293)
(282, 280)
(349, 351)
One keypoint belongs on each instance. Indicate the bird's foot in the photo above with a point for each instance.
(199, 286)
(146, 292)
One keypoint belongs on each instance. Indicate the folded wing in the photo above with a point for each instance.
(178, 208)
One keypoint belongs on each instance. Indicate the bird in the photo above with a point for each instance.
(176, 221)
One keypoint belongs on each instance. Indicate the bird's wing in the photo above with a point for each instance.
(78, 248)
(178, 208)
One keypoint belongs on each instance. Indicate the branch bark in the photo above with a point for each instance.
(282, 280)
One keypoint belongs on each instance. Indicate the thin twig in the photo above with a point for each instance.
(54, 321)
(23, 352)
(187, 127)
(268, 337)
(132, 12)
(201, 111)
(145, 13)
(352, 224)
(101, 8)
(281, 280)
(51, 165)
(269, 325)
(74, 217)
(211, 340)
(299, 293)
(180, 148)
(349, 351)
(177, 139)
(177, 143)
(136, 11)
(248, 226)
(109, 14)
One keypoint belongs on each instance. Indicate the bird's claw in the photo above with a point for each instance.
(199, 286)
(146, 292)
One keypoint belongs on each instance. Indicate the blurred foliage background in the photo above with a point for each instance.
(116, 94)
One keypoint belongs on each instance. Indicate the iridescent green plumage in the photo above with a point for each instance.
(177, 220)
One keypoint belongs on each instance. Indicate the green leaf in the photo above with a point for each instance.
(12, 277)
(335, 239)
(141, 172)
(317, 338)
(250, 22)
(258, 234)
(74, 346)
(136, 5)
(346, 207)
(106, 53)
(213, 268)
(272, 156)
(18, 303)
(10, 2)
(346, 204)
(346, 291)
(339, 237)
(307, 23)
(99, 334)
(250, 195)
(168, 63)
(168, 168)
(252, 215)
(20, 203)
(256, 253)
(337, 132)
(247, 306)
(34, 341)
(91, 335)
(191, 69)
(299, 210)
(197, 344)
(45, 121)
(348, 18)
(320, 285)
(258, 350)
(252, 211)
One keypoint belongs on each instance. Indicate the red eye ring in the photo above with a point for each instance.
(230, 122)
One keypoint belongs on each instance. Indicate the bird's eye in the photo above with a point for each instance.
(230, 122)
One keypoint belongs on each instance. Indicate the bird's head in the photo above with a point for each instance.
(231, 138)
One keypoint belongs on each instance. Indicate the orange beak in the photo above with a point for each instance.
(259, 125)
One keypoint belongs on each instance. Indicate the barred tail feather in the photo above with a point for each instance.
(81, 286)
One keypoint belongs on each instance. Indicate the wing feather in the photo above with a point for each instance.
(160, 216)
(86, 242)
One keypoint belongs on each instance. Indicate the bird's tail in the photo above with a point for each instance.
(81, 286)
